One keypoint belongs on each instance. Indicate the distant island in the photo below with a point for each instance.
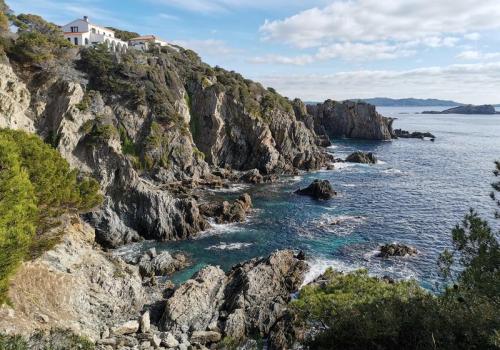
(409, 102)
(467, 109)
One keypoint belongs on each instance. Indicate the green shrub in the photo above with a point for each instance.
(38, 40)
(37, 187)
(124, 34)
(18, 213)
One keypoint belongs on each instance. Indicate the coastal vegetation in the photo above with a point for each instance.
(37, 187)
(357, 311)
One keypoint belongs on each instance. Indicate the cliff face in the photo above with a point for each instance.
(142, 122)
(350, 119)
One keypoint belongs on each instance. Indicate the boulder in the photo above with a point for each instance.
(205, 337)
(161, 264)
(252, 176)
(129, 327)
(318, 189)
(396, 249)
(196, 302)
(226, 212)
(169, 341)
(145, 322)
(361, 157)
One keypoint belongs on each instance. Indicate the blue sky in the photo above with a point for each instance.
(320, 49)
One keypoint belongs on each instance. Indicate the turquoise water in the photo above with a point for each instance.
(415, 195)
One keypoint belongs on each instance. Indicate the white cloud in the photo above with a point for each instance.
(477, 55)
(206, 47)
(344, 51)
(375, 20)
(469, 83)
(472, 36)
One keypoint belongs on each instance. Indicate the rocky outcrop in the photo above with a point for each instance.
(74, 286)
(14, 100)
(403, 134)
(153, 264)
(396, 249)
(247, 300)
(318, 189)
(270, 140)
(467, 109)
(226, 212)
(361, 157)
(350, 119)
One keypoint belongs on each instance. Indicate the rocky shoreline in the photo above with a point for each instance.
(156, 159)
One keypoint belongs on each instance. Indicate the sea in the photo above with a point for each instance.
(417, 192)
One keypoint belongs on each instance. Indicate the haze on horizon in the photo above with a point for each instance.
(321, 49)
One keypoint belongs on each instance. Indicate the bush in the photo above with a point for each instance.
(38, 40)
(37, 187)
(18, 213)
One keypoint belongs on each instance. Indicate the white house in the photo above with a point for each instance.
(146, 41)
(83, 33)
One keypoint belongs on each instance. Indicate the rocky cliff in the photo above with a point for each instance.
(149, 125)
(350, 119)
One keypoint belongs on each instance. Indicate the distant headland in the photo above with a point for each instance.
(467, 109)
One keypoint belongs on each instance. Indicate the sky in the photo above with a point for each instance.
(320, 49)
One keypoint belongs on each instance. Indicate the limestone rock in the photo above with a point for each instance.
(145, 322)
(318, 189)
(169, 341)
(129, 327)
(205, 337)
(195, 303)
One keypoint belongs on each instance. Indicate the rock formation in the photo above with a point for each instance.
(398, 133)
(361, 157)
(318, 189)
(247, 300)
(350, 119)
(396, 249)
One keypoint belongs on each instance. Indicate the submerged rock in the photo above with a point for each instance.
(396, 249)
(318, 189)
(361, 157)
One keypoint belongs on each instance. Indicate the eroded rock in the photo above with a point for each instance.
(318, 189)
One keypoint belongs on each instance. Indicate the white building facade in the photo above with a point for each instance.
(83, 33)
(146, 42)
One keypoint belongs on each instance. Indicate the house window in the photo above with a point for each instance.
(76, 41)
(93, 30)
(86, 41)
(74, 29)
(69, 39)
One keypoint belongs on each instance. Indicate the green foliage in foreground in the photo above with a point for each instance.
(17, 213)
(36, 188)
(56, 339)
(356, 311)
